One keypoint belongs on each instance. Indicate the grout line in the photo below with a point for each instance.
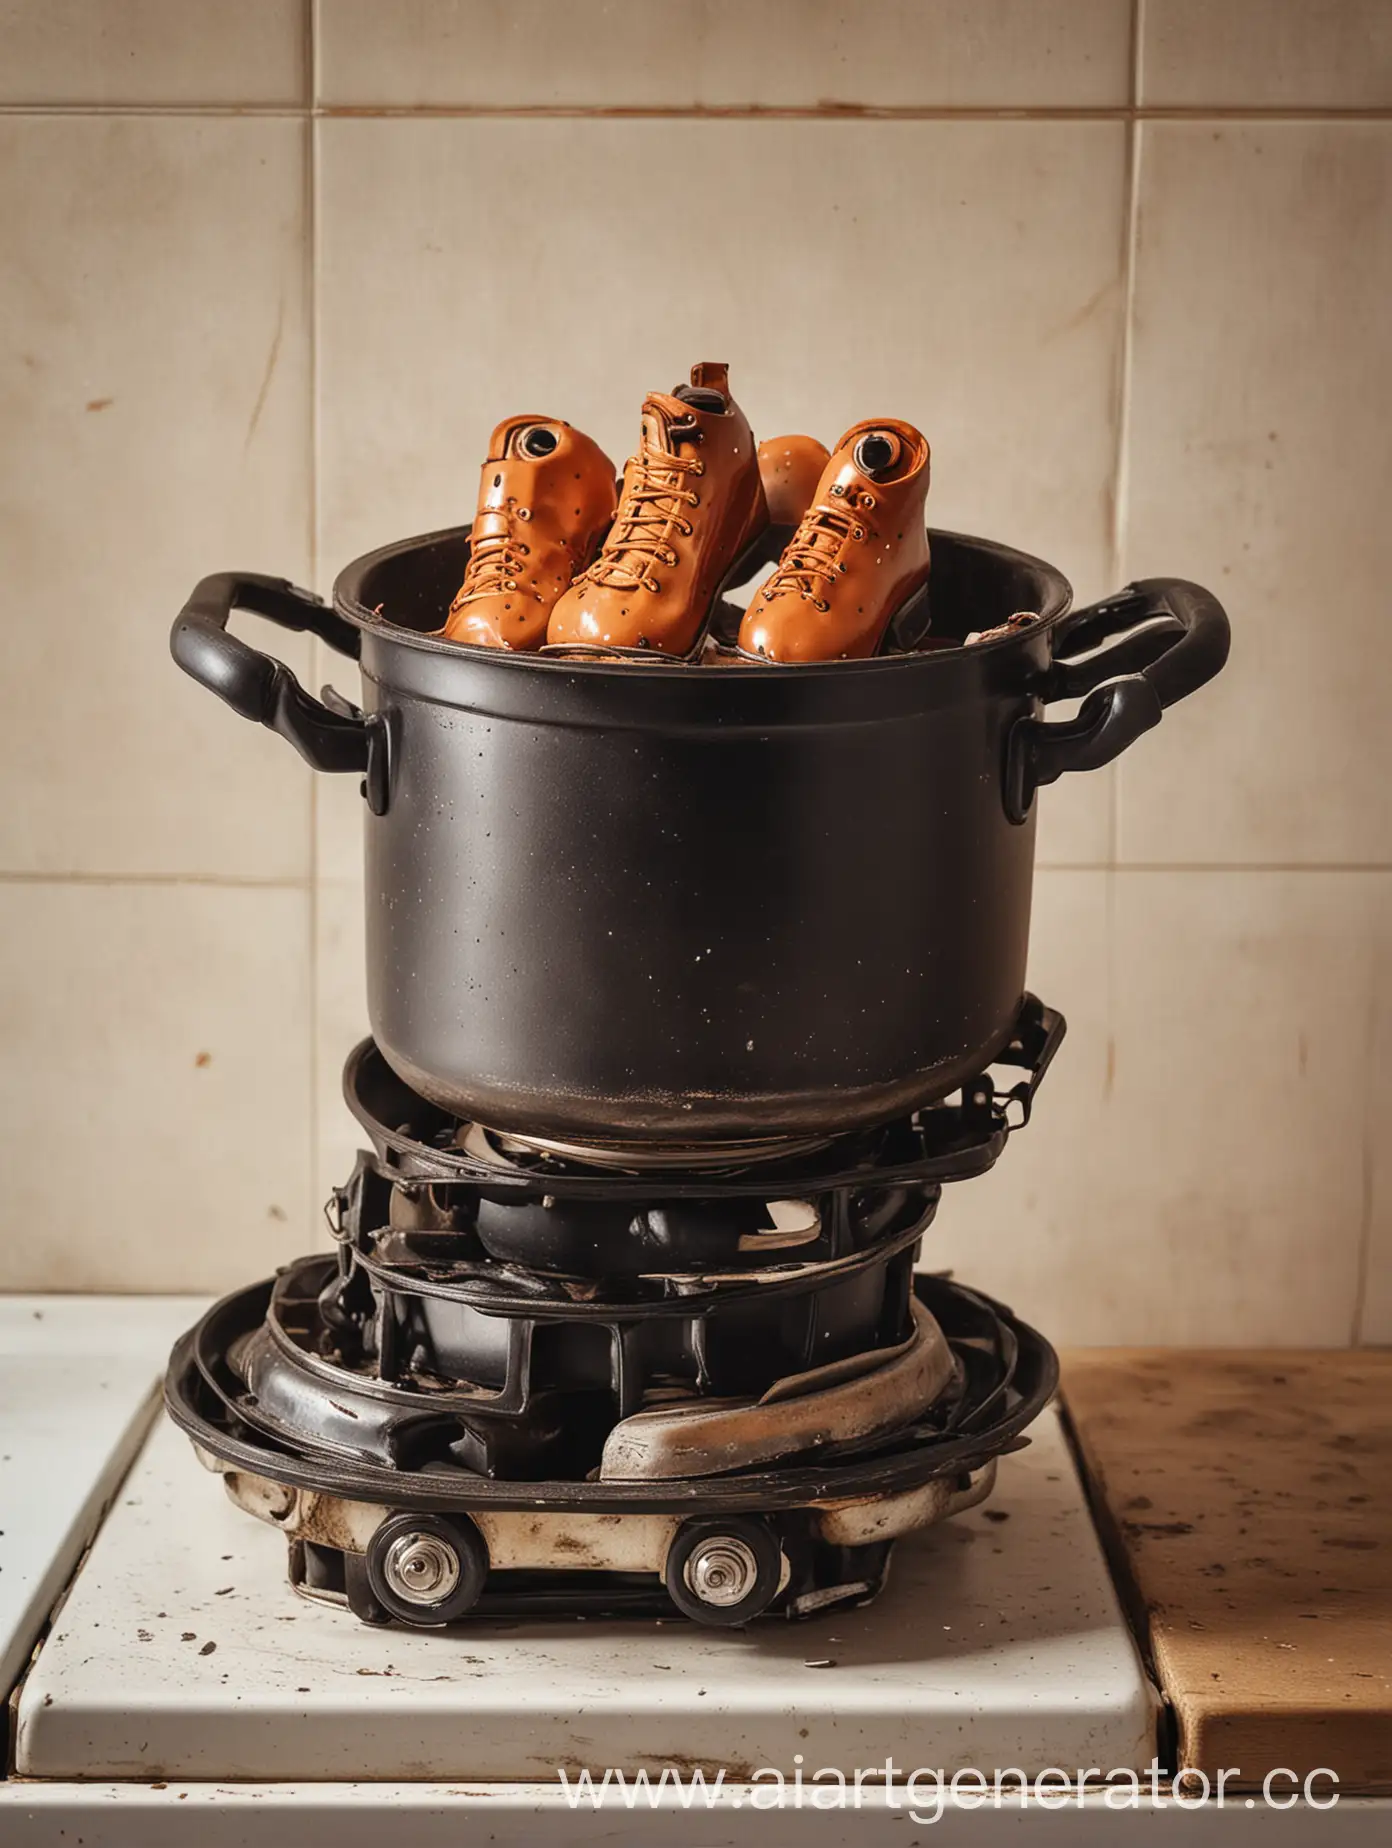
(276, 112)
(753, 112)
(1357, 1332)
(249, 882)
(1121, 470)
(255, 882)
(1137, 60)
(312, 42)
(309, 40)
(315, 222)
(1368, 1140)
(1377, 868)
(832, 111)
(1109, 980)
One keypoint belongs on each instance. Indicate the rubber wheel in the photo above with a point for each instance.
(724, 1573)
(427, 1569)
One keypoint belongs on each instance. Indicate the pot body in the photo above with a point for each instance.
(620, 902)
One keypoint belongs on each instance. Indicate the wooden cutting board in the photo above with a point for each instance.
(1246, 1497)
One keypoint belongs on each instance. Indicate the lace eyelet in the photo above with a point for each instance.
(652, 585)
(857, 532)
(867, 500)
(819, 603)
(837, 488)
(524, 513)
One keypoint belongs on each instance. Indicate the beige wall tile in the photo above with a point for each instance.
(1375, 1321)
(153, 51)
(155, 1094)
(1197, 1177)
(1332, 54)
(1261, 460)
(153, 303)
(776, 53)
(963, 275)
(338, 801)
(1027, 1231)
(338, 825)
(1240, 1005)
(340, 1022)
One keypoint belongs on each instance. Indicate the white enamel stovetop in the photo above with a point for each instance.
(184, 1693)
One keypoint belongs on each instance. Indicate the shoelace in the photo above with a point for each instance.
(811, 557)
(494, 565)
(640, 537)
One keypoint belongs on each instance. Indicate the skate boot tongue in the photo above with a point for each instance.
(667, 416)
(668, 420)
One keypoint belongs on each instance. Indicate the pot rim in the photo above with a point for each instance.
(347, 601)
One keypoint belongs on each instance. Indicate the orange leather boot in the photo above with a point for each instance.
(790, 468)
(691, 508)
(546, 497)
(859, 556)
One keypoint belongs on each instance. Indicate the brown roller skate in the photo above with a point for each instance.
(691, 512)
(546, 498)
(790, 468)
(859, 558)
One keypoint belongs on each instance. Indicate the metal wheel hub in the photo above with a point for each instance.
(421, 1568)
(721, 1571)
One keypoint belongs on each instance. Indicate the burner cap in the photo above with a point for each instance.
(507, 1150)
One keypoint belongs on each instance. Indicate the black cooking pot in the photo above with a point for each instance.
(641, 903)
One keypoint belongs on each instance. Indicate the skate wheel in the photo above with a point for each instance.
(723, 1572)
(427, 1569)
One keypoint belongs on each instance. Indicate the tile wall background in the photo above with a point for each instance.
(272, 272)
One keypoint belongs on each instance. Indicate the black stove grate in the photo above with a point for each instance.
(1007, 1374)
(950, 1141)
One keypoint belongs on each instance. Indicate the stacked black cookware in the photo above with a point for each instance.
(689, 989)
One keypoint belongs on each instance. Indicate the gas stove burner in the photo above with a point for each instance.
(952, 1140)
(639, 1158)
(460, 1229)
(514, 1372)
(722, 1506)
(537, 1375)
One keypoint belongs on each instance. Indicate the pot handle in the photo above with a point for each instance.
(263, 689)
(1173, 637)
